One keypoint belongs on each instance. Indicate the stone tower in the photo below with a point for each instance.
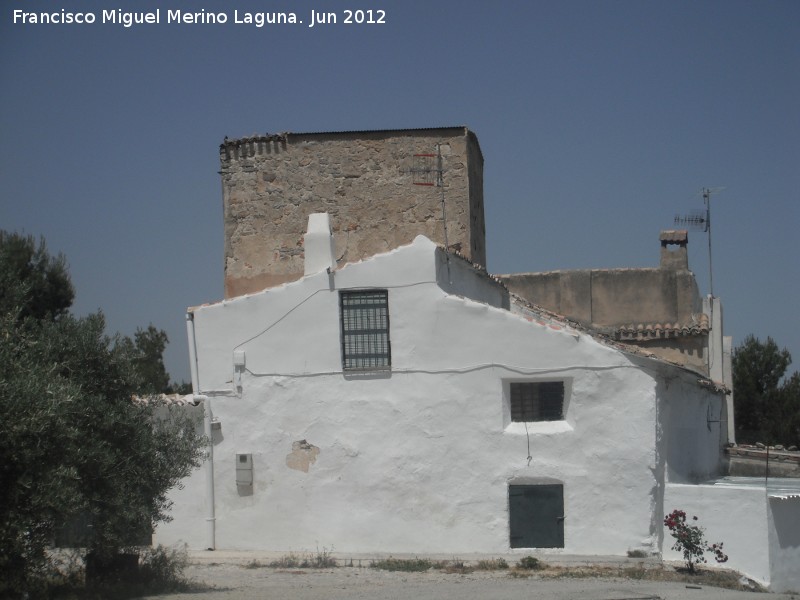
(368, 181)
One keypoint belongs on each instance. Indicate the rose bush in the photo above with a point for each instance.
(690, 540)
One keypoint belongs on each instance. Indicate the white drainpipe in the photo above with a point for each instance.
(207, 416)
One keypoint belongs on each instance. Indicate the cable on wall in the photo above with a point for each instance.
(307, 298)
(457, 370)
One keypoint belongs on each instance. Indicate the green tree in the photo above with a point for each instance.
(785, 423)
(767, 407)
(32, 282)
(150, 345)
(146, 354)
(74, 443)
(35, 284)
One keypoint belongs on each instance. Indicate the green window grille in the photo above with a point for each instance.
(537, 401)
(365, 330)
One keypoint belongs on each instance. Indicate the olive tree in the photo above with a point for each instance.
(75, 439)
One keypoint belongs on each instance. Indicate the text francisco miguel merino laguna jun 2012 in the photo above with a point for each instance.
(203, 17)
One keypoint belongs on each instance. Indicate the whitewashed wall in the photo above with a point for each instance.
(734, 515)
(760, 532)
(692, 430)
(784, 543)
(419, 459)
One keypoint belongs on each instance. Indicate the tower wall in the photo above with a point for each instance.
(364, 180)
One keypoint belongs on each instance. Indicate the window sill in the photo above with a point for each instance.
(538, 427)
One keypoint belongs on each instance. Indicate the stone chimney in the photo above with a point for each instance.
(318, 242)
(676, 259)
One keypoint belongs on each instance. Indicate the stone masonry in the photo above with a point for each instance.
(374, 185)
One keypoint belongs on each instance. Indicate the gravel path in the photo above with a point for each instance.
(232, 581)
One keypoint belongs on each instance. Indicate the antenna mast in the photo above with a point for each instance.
(427, 173)
(702, 222)
(707, 202)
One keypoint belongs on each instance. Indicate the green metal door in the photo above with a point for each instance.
(536, 516)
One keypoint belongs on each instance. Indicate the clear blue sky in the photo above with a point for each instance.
(599, 121)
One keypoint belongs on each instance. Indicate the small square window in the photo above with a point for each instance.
(537, 401)
(365, 330)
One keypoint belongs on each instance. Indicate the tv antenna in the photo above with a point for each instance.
(699, 220)
(427, 170)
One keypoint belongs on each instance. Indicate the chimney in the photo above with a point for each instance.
(318, 244)
(677, 259)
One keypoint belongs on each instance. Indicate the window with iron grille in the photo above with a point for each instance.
(365, 330)
(537, 401)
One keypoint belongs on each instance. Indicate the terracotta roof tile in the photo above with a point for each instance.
(636, 332)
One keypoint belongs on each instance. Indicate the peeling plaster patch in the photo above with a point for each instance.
(302, 455)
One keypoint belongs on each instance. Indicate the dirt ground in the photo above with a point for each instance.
(241, 580)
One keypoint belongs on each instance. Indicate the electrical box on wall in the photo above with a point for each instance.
(238, 367)
(244, 469)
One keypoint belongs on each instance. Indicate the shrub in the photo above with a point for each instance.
(322, 559)
(289, 561)
(529, 563)
(690, 540)
(162, 568)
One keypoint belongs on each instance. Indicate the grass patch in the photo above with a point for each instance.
(526, 567)
(410, 565)
(493, 564)
(455, 566)
(637, 554)
(720, 578)
(323, 559)
(254, 564)
(288, 561)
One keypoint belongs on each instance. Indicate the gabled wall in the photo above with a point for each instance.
(420, 458)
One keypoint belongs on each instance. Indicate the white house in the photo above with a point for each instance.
(409, 403)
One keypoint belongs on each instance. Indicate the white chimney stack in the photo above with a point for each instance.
(318, 244)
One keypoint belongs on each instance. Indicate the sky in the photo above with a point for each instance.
(598, 121)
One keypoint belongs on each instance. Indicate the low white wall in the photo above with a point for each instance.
(734, 515)
(188, 512)
(784, 544)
